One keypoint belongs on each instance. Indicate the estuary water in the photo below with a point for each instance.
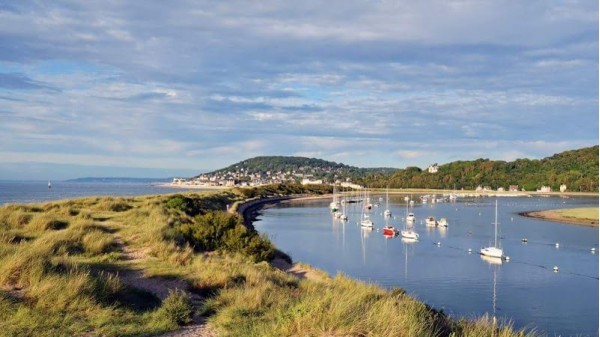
(439, 270)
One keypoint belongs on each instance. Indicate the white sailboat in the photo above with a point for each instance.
(494, 251)
(365, 219)
(387, 212)
(334, 206)
(409, 233)
(410, 217)
(343, 215)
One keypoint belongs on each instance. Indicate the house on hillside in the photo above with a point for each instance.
(433, 168)
(545, 189)
(306, 181)
(563, 188)
(513, 188)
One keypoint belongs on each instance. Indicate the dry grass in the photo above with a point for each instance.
(590, 213)
(59, 265)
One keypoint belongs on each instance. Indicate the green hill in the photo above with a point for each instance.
(298, 167)
(577, 169)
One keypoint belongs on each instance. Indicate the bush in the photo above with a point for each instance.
(176, 309)
(226, 232)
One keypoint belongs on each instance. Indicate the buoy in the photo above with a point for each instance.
(593, 249)
(557, 245)
(555, 268)
(469, 250)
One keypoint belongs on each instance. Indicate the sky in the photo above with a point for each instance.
(175, 88)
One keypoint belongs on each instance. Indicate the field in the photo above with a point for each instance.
(144, 266)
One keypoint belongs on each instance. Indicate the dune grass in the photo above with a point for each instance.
(61, 265)
(580, 213)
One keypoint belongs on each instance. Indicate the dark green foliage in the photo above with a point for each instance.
(223, 231)
(194, 204)
(577, 169)
(286, 189)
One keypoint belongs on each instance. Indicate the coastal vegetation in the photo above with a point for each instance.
(576, 169)
(108, 266)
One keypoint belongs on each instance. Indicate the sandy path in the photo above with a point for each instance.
(161, 287)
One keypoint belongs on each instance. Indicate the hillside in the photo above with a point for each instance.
(297, 168)
(577, 169)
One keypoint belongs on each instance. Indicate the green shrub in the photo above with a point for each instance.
(176, 309)
(226, 232)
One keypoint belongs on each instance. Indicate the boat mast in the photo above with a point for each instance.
(496, 226)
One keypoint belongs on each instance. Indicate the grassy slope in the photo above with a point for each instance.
(61, 268)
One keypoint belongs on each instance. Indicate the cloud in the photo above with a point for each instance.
(215, 82)
(19, 82)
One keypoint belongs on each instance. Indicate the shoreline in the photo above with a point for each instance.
(191, 187)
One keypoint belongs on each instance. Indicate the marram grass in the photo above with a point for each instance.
(60, 267)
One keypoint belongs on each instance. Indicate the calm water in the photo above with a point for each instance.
(37, 191)
(524, 290)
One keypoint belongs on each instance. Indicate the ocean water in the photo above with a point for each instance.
(525, 290)
(38, 191)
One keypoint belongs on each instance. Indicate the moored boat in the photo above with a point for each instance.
(494, 251)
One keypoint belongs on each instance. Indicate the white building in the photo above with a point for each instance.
(433, 168)
(563, 187)
(306, 181)
(545, 189)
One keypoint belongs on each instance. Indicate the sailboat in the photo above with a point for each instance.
(365, 219)
(49, 185)
(343, 215)
(494, 251)
(410, 217)
(387, 212)
(334, 205)
(409, 233)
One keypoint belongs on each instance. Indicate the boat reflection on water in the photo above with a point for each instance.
(364, 234)
(406, 242)
(495, 264)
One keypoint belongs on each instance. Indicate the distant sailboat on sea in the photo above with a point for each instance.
(49, 185)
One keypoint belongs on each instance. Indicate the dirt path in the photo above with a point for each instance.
(161, 287)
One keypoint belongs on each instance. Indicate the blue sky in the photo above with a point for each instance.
(157, 88)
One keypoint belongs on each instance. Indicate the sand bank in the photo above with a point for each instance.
(570, 216)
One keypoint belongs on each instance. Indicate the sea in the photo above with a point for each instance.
(38, 191)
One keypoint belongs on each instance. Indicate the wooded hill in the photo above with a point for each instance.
(577, 169)
(302, 166)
